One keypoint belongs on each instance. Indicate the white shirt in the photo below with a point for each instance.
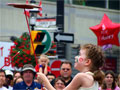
(10, 88)
(3, 88)
(95, 86)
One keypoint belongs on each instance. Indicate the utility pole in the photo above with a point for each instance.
(60, 24)
(60, 15)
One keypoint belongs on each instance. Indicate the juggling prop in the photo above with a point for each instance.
(25, 6)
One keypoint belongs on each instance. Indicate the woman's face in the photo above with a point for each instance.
(16, 76)
(59, 85)
(108, 79)
(80, 60)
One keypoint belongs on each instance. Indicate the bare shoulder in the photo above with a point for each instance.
(76, 83)
(80, 80)
(80, 76)
(86, 79)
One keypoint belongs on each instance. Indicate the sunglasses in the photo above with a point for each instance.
(65, 69)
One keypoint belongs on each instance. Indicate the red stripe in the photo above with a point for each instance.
(39, 20)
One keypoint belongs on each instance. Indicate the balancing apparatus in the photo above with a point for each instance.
(26, 6)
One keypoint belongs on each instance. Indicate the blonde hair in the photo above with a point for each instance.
(43, 56)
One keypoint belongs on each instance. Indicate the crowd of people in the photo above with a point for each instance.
(90, 77)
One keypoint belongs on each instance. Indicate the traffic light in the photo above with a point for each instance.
(61, 50)
(53, 50)
(37, 38)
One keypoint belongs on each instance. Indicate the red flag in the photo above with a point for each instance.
(40, 9)
(26, 1)
(27, 10)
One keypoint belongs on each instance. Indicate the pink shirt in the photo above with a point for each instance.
(117, 88)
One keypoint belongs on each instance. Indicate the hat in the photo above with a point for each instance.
(28, 67)
(8, 72)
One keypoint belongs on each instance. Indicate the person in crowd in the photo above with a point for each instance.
(109, 81)
(42, 65)
(65, 72)
(9, 79)
(59, 83)
(89, 62)
(118, 80)
(50, 76)
(18, 80)
(28, 74)
(16, 75)
(2, 80)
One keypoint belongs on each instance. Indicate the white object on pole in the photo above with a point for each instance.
(48, 29)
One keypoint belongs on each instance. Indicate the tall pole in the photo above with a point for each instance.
(60, 15)
(60, 25)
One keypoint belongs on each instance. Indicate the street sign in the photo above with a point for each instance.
(55, 67)
(46, 22)
(41, 42)
(63, 37)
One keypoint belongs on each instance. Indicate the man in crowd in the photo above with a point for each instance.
(50, 76)
(65, 72)
(2, 80)
(9, 79)
(28, 74)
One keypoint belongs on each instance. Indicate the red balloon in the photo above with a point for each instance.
(107, 32)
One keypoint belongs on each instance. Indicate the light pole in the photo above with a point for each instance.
(33, 15)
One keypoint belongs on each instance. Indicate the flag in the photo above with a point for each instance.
(27, 10)
(40, 9)
(26, 1)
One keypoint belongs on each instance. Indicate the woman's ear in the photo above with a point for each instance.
(88, 61)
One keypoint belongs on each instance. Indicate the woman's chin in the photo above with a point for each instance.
(75, 65)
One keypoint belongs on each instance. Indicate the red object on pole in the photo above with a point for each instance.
(40, 9)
